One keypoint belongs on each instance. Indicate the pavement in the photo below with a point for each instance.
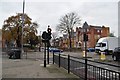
(31, 66)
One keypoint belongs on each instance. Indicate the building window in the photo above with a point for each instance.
(87, 30)
(98, 30)
(98, 36)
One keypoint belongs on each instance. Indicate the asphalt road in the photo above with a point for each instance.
(94, 56)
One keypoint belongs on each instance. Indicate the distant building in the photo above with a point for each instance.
(93, 32)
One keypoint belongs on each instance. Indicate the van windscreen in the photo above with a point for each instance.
(103, 44)
(100, 45)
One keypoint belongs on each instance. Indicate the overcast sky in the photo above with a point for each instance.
(48, 12)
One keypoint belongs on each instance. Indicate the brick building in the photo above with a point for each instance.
(94, 33)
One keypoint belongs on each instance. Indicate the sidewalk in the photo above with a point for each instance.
(32, 68)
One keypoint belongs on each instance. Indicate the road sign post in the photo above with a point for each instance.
(45, 55)
(48, 43)
(48, 52)
(85, 39)
(46, 37)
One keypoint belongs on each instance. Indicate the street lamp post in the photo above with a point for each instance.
(22, 26)
(85, 39)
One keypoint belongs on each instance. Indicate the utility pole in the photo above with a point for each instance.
(22, 26)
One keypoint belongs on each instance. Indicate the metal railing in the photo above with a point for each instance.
(77, 67)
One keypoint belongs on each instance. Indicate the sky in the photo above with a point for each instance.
(48, 12)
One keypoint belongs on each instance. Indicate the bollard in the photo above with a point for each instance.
(103, 57)
(83, 54)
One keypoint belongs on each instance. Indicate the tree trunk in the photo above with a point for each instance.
(18, 43)
(18, 40)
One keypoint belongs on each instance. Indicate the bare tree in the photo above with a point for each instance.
(54, 36)
(67, 23)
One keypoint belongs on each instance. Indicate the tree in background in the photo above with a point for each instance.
(67, 23)
(12, 29)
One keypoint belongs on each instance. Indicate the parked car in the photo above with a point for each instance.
(116, 54)
(55, 50)
(91, 49)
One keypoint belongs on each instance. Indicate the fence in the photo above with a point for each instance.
(77, 67)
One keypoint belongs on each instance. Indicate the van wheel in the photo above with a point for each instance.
(114, 58)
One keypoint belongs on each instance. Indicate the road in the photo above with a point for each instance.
(94, 56)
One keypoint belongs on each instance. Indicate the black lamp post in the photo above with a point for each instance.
(85, 39)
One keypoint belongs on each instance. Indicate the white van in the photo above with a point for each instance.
(107, 44)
